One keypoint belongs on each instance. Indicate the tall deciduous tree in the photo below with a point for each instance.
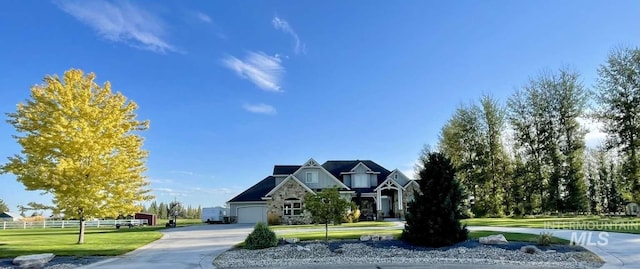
(325, 207)
(80, 143)
(433, 218)
(544, 115)
(618, 98)
(473, 139)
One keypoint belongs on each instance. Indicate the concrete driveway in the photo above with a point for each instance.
(186, 247)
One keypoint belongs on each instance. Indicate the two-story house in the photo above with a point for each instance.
(379, 192)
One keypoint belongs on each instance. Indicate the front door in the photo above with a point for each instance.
(386, 206)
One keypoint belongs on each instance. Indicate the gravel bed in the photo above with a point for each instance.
(58, 262)
(398, 252)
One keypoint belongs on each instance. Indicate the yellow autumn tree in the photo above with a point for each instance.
(81, 143)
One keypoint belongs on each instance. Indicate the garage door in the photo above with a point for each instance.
(252, 214)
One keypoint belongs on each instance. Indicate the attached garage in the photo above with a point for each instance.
(252, 214)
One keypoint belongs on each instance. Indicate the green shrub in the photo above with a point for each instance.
(273, 219)
(261, 237)
(545, 239)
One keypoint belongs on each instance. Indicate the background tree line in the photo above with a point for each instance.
(529, 156)
(163, 210)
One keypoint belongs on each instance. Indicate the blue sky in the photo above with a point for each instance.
(233, 87)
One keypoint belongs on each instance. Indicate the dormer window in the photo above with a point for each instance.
(361, 181)
(311, 177)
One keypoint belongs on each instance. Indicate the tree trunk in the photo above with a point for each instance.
(81, 235)
(326, 230)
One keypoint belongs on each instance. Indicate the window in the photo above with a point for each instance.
(311, 177)
(292, 207)
(361, 181)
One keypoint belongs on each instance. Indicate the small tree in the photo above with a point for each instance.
(433, 218)
(326, 206)
(80, 143)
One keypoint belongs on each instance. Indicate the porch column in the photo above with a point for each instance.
(379, 200)
(400, 198)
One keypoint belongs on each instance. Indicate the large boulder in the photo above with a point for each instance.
(531, 249)
(33, 261)
(292, 240)
(365, 238)
(496, 239)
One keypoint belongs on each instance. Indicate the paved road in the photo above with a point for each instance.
(187, 247)
(406, 266)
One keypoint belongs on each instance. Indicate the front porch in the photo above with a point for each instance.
(387, 201)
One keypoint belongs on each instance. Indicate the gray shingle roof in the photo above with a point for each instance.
(257, 191)
(285, 169)
(260, 189)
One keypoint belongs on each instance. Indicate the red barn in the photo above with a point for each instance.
(151, 218)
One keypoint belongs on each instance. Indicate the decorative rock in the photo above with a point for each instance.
(301, 248)
(375, 238)
(365, 238)
(550, 251)
(33, 261)
(496, 239)
(292, 240)
(531, 249)
(386, 237)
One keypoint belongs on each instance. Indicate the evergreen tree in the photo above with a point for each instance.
(153, 208)
(163, 211)
(433, 218)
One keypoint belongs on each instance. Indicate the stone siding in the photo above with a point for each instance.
(275, 206)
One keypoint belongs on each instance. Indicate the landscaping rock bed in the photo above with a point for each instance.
(59, 262)
(399, 252)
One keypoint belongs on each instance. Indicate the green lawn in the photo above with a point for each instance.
(356, 233)
(180, 222)
(62, 242)
(621, 225)
(338, 235)
(519, 237)
(362, 224)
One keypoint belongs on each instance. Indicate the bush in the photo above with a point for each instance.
(545, 239)
(273, 219)
(354, 214)
(261, 237)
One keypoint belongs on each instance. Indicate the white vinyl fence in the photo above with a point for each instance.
(70, 223)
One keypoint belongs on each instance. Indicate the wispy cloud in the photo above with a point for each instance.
(260, 109)
(263, 70)
(170, 192)
(160, 180)
(122, 22)
(186, 192)
(188, 173)
(213, 190)
(203, 17)
(281, 24)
